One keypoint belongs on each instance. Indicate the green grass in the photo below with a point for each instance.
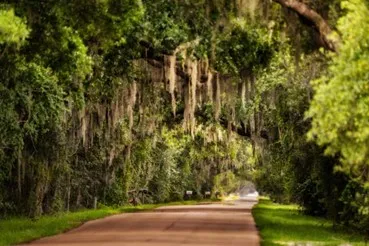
(18, 230)
(285, 225)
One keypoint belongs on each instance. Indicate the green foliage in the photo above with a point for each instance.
(42, 87)
(339, 110)
(244, 49)
(290, 169)
(12, 28)
(340, 106)
(225, 183)
(171, 163)
(165, 29)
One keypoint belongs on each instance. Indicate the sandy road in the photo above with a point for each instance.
(212, 225)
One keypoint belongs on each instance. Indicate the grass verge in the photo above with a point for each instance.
(285, 225)
(18, 230)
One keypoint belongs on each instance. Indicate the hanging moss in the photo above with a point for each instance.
(193, 85)
(171, 76)
(217, 97)
(131, 103)
(209, 86)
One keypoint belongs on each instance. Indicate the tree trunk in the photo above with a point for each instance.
(319, 22)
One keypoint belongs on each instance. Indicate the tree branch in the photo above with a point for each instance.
(319, 22)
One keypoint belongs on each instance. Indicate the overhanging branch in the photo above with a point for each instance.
(319, 22)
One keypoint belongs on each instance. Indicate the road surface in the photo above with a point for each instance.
(200, 225)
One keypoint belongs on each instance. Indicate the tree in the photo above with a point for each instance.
(339, 110)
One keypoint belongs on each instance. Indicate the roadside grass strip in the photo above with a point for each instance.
(20, 229)
(286, 225)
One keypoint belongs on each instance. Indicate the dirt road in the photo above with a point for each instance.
(212, 225)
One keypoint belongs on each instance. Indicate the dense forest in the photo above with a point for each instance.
(101, 99)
